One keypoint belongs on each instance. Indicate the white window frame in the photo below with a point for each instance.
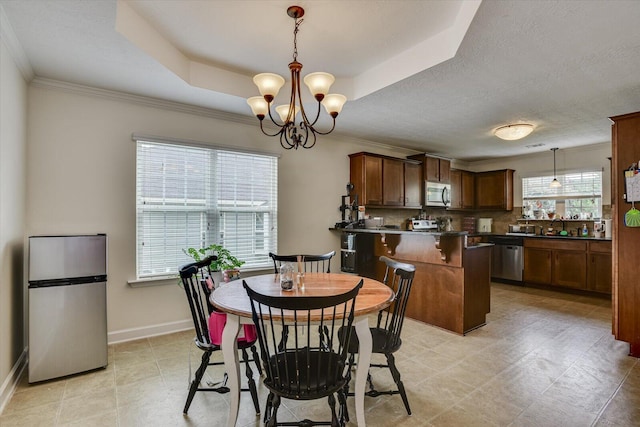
(536, 189)
(222, 207)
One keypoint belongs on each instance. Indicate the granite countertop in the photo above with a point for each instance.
(538, 236)
(399, 231)
(463, 233)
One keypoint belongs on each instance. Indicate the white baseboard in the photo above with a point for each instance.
(10, 383)
(149, 331)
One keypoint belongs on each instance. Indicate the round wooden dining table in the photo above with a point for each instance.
(232, 299)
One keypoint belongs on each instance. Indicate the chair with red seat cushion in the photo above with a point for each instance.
(209, 324)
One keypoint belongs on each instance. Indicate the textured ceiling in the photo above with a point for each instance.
(565, 66)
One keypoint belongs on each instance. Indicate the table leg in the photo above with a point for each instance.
(229, 347)
(362, 368)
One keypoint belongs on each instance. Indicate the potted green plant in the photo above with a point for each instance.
(225, 263)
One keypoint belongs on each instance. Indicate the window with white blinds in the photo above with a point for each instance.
(580, 194)
(191, 196)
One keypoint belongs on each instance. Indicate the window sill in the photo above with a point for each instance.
(175, 279)
(154, 281)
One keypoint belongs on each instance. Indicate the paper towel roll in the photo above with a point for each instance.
(485, 225)
(608, 230)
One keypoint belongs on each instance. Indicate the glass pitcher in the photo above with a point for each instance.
(287, 276)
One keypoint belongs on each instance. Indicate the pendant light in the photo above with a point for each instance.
(555, 183)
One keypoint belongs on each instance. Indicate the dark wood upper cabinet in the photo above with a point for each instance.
(392, 182)
(435, 169)
(494, 190)
(386, 181)
(413, 186)
(462, 189)
(456, 189)
(366, 177)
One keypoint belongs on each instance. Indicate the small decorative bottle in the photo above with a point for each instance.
(287, 276)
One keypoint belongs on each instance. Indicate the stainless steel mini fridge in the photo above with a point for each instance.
(67, 305)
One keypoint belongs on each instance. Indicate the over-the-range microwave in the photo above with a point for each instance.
(437, 194)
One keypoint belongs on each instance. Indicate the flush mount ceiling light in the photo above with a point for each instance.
(555, 183)
(513, 131)
(304, 134)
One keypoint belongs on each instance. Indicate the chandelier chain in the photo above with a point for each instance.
(295, 38)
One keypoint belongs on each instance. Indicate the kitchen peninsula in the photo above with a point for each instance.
(451, 289)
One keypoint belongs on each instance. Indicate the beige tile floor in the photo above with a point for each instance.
(543, 359)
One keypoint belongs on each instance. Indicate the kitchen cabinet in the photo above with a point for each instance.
(413, 186)
(537, 265)
(462, 189)
(434, 169)
(392, 182)
(599, 267)
(366, 177)
(386, 181)
(570, 267)
(494, 190)
(569, 263)
(451, 288)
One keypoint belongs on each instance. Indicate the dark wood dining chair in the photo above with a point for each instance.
(311, 263)
(306, 368)
(386, 334)
(208, 323)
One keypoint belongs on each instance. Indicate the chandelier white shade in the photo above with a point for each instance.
(514, 131)
(303, 134)
(269, 84)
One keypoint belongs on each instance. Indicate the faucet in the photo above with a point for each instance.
(556, 219)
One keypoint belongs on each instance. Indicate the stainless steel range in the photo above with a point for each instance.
(424, 224)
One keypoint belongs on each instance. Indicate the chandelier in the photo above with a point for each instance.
(304, 133)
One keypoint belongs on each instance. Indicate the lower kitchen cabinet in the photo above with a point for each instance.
(537, 265)
(599, 267)
(570, 268)
(568, 263)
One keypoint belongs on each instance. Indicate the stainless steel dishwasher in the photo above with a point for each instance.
(507, 263)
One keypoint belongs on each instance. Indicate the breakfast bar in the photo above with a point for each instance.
(452, 282)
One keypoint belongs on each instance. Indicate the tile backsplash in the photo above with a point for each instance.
(501, 219)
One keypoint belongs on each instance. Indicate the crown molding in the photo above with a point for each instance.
(146, 101)
(15, 48)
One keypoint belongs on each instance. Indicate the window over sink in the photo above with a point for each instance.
(579, 197)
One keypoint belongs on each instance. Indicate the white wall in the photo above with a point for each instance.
(13, 137)
(571, 159)
(81, 179)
